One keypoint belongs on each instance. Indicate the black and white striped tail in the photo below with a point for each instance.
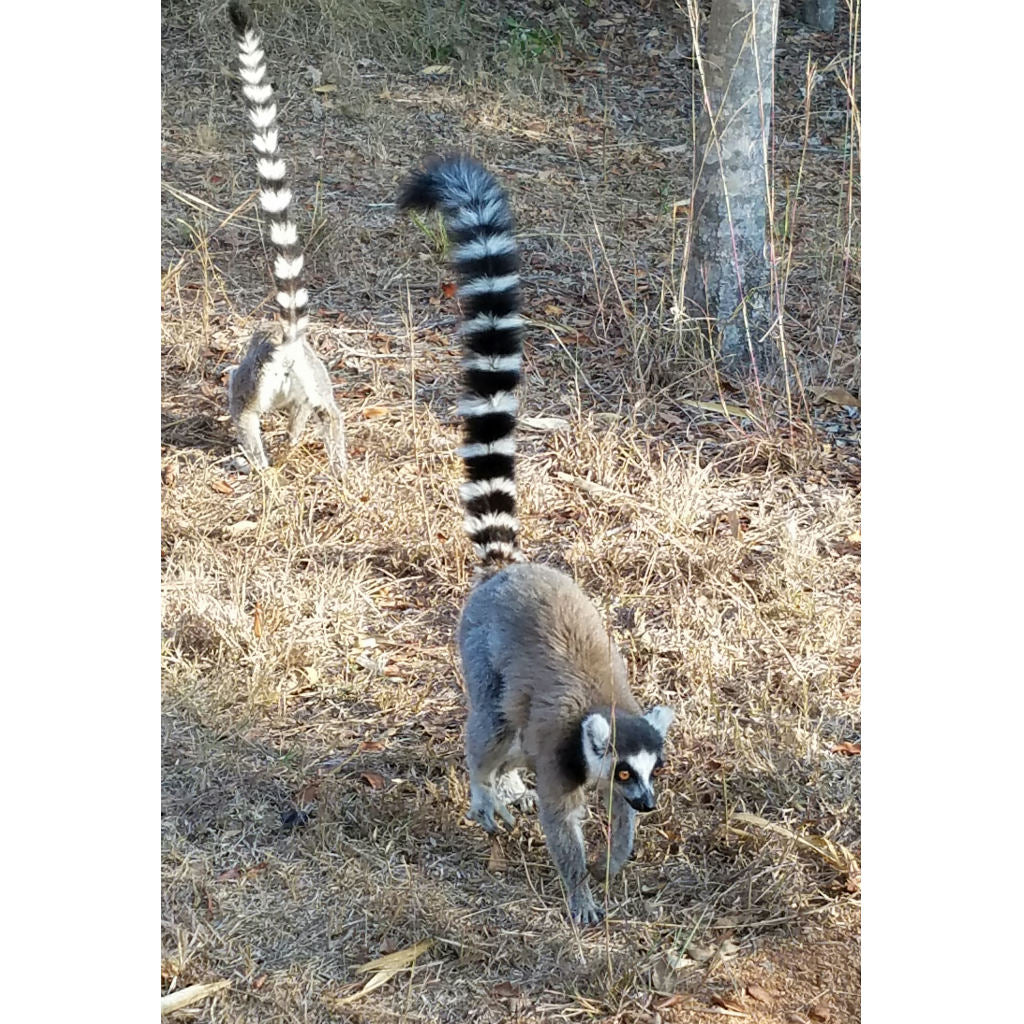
(487, 261)
(275, 195)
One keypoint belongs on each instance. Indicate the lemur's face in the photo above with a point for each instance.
(633, 777)
(627, 751)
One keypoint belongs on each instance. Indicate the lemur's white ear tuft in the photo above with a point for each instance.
(597, 734)
(661, 718)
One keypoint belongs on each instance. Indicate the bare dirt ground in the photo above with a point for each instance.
(313, 786)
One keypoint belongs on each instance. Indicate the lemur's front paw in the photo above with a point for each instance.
(586, 913)
(483, 815)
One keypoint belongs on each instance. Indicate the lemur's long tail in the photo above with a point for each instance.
(486, 260)
(275, 195)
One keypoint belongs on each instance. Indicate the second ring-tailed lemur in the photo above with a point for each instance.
(547, 687)
(280, 370)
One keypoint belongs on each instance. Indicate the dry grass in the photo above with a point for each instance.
(307, 656)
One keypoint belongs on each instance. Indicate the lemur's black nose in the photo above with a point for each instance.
(644, 802)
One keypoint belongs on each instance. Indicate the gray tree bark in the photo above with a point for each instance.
(820, 14)
(727, 274)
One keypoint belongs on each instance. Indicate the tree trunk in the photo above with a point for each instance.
(820, 14)
(727, 277)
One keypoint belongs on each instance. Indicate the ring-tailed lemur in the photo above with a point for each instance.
(547, 687)
(280, 370)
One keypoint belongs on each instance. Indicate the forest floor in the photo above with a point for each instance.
(313, 784)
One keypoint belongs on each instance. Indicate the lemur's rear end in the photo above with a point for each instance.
(280, 370)
(547, 687)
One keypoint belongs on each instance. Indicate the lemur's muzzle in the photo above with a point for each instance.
(644, 802)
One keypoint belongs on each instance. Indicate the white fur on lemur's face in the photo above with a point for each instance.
(635, 758)
(633, 779)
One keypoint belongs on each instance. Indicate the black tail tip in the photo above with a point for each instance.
(424, 190)
(241, 16)
(419, 191)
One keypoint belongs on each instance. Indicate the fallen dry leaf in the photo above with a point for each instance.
(835, 854)
(244, 526)
(850, 545)
(257, 620)
(436, 69)
(448, 289)
(236, 872)
(506, 990)
(819, 1012)
(678, 963)
(192, 994)
(404, 957)
(309, 792)
(759, 994)
(727, 1002)
(699, 953)
(734, 523)
(497, 863)
(386, 967)
(543, 423)
(259, 982)
(720, 407)
(370, 746)
(846, 747)
(170, 473)
(373, 412)
(671, 1001)
(373, 779)
(837, 396)
(221, 487)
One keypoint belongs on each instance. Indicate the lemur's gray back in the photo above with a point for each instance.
(534, 627)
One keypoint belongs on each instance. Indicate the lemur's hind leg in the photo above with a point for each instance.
(297, 422)
(332, 427)
(485, 753)
(248, 425)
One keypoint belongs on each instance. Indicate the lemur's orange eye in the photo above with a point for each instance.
(624, 775)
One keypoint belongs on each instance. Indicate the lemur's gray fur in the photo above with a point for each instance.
(547, 688)
(280, 370)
